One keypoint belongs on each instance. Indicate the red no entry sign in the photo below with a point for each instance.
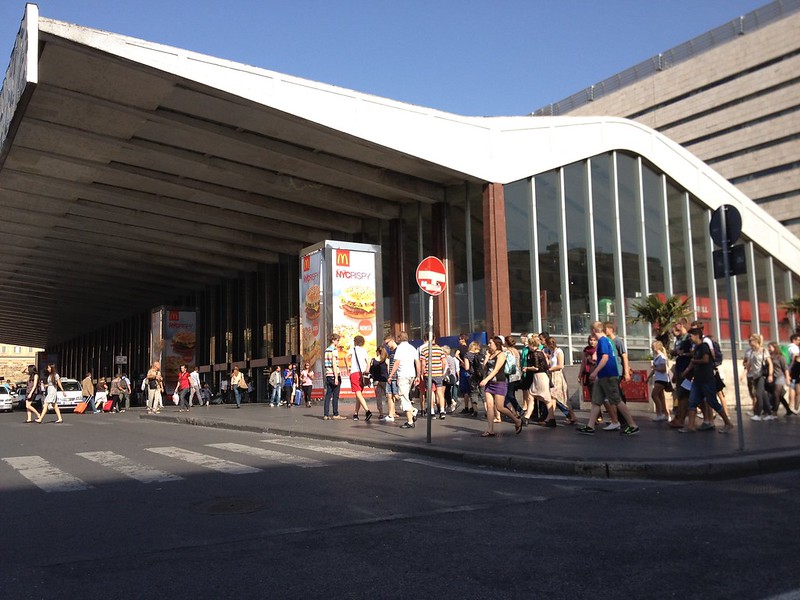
(431, 276)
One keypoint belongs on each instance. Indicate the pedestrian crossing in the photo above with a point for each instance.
(49, 476)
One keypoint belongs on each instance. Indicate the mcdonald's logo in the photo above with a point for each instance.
(307, 262)
(343, 258)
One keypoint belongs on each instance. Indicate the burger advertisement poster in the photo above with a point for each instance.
(311, 313)
(174, 341)
(338, 289)
(353, 302)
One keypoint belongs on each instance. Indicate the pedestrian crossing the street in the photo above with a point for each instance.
(49, 476)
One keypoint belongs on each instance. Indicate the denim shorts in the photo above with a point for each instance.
(392, 389)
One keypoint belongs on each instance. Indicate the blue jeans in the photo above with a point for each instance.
(238, 394)
(331, 393)
(276, 395)
(704, 392)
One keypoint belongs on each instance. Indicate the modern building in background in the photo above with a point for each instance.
(730, 96)
(221, 173)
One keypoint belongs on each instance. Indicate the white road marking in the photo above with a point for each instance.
(204, 460)
(288, 459)
(128, 467)
(335, 450)
(44, 475)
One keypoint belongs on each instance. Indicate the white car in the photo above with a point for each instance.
(7, 398)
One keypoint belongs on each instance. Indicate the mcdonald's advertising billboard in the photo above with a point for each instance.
(340, 292)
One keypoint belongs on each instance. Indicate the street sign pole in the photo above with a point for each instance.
(429, 386)
(432, 279)
(731, 325)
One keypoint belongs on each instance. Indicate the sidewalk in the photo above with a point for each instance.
(657, 452)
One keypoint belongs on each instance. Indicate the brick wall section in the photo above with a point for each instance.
(495, 261)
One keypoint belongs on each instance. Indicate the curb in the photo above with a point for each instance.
(672, 470)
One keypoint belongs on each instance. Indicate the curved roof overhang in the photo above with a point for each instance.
(132, 172)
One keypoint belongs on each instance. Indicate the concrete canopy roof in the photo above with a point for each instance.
(132, 172)
(124, 183)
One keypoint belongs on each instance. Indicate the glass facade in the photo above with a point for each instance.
(625, 230)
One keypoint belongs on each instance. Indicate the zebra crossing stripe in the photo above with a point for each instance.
(288, 459)
(340, 451)
(128, 467)
(44, 475)
(204, 460)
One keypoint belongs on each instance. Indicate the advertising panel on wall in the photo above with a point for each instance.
(173, 340)
(340, 289)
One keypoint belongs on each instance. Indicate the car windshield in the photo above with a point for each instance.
(71, 386)
(4, 389)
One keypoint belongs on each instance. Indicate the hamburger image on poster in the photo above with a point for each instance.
(358, 302)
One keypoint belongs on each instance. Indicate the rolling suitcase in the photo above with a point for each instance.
(81, 407)
(108, 406)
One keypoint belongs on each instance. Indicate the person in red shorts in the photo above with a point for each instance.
(357, 362)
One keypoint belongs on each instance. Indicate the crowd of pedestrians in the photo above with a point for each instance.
(517, 380)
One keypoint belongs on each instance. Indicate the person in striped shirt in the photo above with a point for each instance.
(437, 362)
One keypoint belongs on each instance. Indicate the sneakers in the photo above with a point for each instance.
(612, 427)
(465, 411)
(441, 416)
(388, 419)
(769, 418)
(415, 412)
(368, 416)
(659, 418)
(755, 418)
(355, 417)
(407, 426)
(325, 418)
(586, 430)
(630, 430)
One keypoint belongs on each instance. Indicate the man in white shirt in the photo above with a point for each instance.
(194, 384)
(406, 367)
(794, 351)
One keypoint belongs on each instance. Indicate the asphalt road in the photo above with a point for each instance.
(141, 509)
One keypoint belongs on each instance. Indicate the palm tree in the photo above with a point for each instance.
(792, 307)
(662, 314)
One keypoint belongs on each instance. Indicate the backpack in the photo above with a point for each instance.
(510, 366)
(718, 357)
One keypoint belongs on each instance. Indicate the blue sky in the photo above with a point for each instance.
(500, 57)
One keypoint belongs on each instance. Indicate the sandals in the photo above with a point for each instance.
(487, 434)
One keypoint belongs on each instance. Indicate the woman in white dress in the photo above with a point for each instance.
(53, 385)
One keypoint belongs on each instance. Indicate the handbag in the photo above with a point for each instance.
(364, 380)
(764, 365)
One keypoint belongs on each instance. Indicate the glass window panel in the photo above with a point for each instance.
(478, 276)
(654, 229)
(761, 264)
(629, 227)
(411, 257)
(604, 248)
(781, 297)
(677, 240)
(458, 249)
(746, 314)
(575, 209)
(548, 225)
(518, 237)
(700, 239)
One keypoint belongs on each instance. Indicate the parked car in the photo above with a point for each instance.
(7, 398)
(21, 393)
